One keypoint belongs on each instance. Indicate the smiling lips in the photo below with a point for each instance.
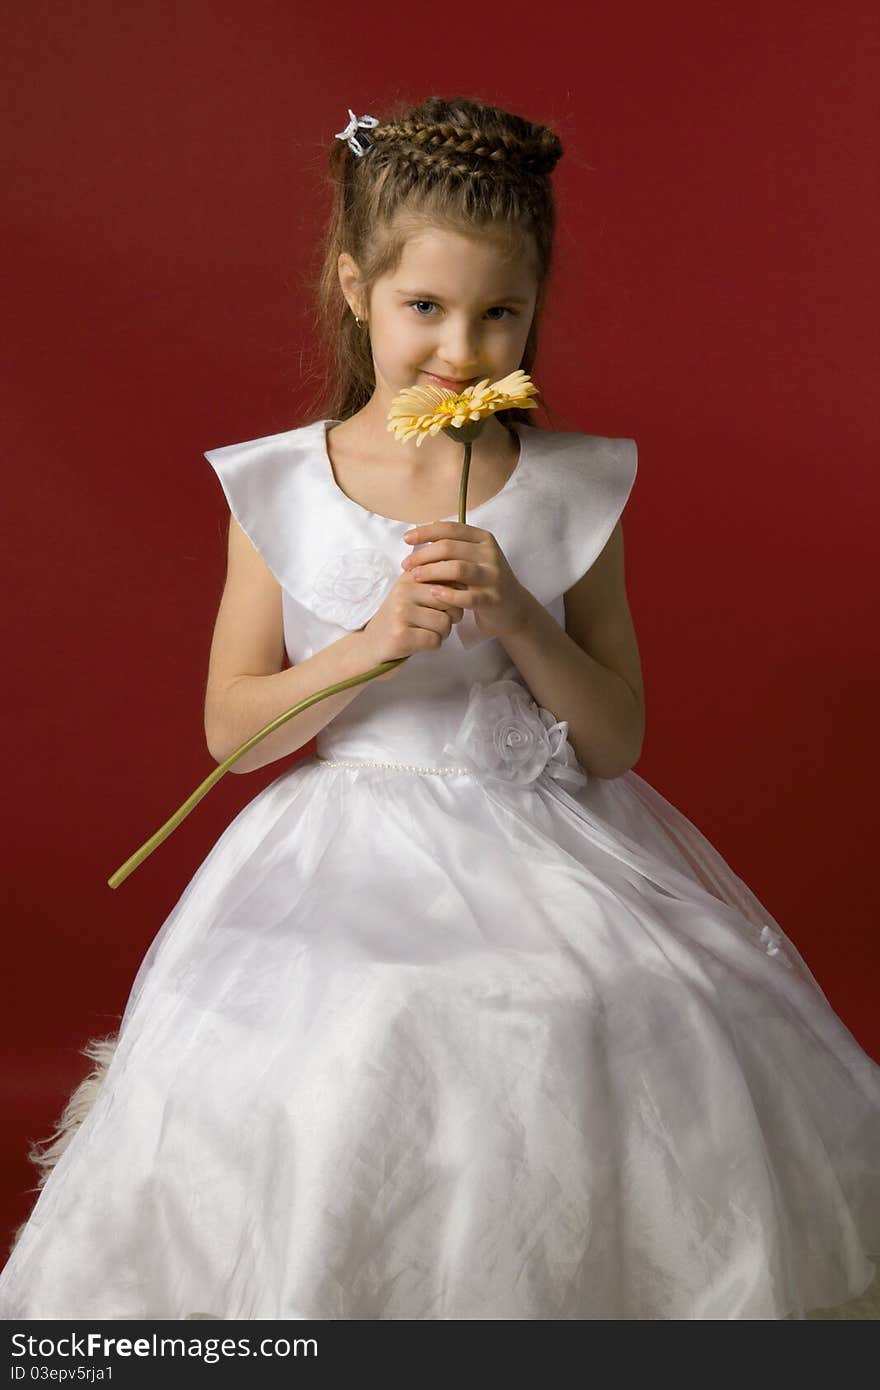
(448, 381)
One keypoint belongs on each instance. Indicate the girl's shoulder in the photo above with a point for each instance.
(579, 454)
(580, 485)
(594, 469)
(273, 486)
(273, 470)
(579, 480)
(271, 455)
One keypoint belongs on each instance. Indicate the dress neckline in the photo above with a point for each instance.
(327, 469)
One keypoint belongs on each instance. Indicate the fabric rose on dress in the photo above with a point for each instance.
(506, 736)
(350, 587)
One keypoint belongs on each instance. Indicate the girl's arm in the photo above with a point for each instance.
(247, 686)
(251, 702)
(590, 671)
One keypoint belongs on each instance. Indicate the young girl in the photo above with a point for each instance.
(459, 1019)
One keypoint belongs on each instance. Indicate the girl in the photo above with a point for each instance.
(459, 1019)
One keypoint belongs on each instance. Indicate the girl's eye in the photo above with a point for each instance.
(416, 303)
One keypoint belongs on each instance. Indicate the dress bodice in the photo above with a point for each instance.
(336, 561)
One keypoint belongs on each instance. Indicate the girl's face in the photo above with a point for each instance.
(456, 307)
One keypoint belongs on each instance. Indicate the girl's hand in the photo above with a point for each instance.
(470, 568)
(410, 620)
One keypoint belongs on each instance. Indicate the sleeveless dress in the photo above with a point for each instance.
(444, 1027)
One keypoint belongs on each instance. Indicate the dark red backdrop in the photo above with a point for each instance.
(715, 298)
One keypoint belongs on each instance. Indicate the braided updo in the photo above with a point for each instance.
(458, 164)
(495, 144)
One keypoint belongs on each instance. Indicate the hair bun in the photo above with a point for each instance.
(541, 155)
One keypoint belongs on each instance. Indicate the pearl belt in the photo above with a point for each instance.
(401, 767)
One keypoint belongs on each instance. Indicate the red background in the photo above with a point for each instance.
(715, 297)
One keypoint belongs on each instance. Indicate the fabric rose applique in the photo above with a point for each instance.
(350, 587)
(506, 736)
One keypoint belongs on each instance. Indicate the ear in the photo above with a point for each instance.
(349, 279)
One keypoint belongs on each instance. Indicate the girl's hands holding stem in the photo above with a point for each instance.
(410, 620)
(468, 563)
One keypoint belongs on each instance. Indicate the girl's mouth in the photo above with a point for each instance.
(449, 383)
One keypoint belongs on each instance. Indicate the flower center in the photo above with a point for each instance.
(451, 407)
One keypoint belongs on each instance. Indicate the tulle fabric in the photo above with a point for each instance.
(414, 1046)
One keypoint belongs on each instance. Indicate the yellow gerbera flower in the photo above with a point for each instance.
(425, 410)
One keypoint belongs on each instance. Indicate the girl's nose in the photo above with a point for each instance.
(459, 352)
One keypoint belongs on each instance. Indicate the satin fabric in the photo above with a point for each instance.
(418, 1044)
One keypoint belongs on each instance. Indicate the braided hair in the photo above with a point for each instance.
(459, 164)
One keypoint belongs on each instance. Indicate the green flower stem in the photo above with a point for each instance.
(463, 487)
(203, 788)
(146, 849)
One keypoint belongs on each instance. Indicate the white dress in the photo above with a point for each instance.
(443, 1027)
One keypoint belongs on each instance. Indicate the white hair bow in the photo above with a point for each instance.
(349, 134)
